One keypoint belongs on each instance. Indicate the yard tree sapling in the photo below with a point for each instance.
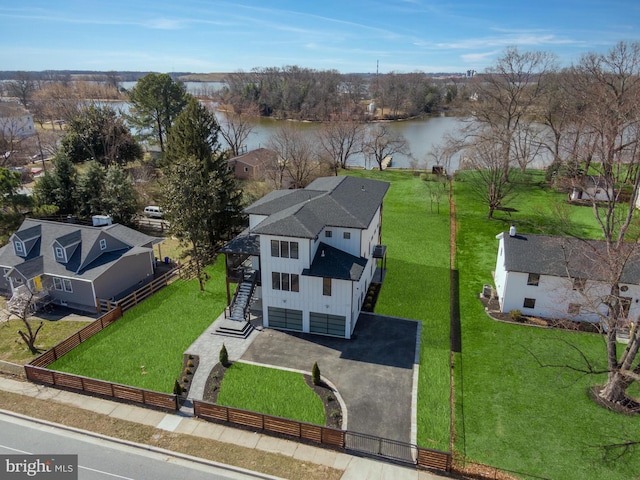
(315, 374)
(224, 356)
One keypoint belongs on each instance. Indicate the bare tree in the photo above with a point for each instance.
(506, 96)
(296, 161)
(381, 142)
(488, 183)
(24, 304)
(235, 128)
(23, 87)
(339, 140)
(608, 89)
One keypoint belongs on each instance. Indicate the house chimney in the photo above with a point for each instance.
(512, 231)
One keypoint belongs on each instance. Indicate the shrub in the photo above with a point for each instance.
(187, 371)
(185, 380)
(190, 363)
(177, 388)
(516, 315)
(315, 374)
(224, 356)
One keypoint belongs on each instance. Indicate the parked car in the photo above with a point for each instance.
(153, 211)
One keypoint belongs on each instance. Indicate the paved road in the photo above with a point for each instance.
(373, 371)
(101, 459)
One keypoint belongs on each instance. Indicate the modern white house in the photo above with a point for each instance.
(309, 255)
(560, 277)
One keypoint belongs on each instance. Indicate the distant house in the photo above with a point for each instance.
(560, 277)
(310, 255)
(15, 121)
(590, 187)
(73, 265)
(251, 165)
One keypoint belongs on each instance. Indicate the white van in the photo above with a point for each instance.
(153, 211)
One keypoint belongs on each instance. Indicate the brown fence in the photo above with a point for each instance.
(36, 370)
(142, 293)
(315, 433)
(424, 458)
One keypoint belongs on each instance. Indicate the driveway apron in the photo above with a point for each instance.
(373, 371)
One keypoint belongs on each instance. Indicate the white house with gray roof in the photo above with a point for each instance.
(73, 265)
(560, 277)
(315, 252)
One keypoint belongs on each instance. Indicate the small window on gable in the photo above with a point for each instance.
(328, 233)
(529, 303)
(246, 169)
(19, 246)
(103, 244)
(346, 235)
(533, 279)
(59, 253)
(18, 280)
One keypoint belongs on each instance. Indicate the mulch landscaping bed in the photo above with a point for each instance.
(332, 409)
(492, 308)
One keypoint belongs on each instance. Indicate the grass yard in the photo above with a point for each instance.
(417, 286)
(510, 412)
(155, 334)
(14, 350)
(272, 392)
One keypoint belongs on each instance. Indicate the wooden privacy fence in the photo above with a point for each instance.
(142, 293)
(37, 371)
(342, 439)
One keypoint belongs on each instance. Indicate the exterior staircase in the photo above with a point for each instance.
(236, 322)
(24, 298)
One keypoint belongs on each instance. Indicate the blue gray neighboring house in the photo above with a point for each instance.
(74, 265)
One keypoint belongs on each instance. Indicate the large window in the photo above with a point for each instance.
(284, 249)
(326, 286)
(533, 279)
(285, 281)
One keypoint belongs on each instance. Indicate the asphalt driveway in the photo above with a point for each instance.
(373, 371)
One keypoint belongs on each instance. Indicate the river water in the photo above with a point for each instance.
(422, 134)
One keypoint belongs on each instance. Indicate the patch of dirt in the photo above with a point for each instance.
(332, 408)
(189, 366)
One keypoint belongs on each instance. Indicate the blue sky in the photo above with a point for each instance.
(348, 35)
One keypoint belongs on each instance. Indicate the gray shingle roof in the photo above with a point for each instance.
(344, 201)
(563, 256)
(331, 262)
(83, 263)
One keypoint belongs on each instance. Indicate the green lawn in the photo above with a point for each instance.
(155, 334)
(417, 287)
(510, 412)
(272, 392)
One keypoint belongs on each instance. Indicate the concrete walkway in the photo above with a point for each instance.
(354, 468)
(207, 347)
